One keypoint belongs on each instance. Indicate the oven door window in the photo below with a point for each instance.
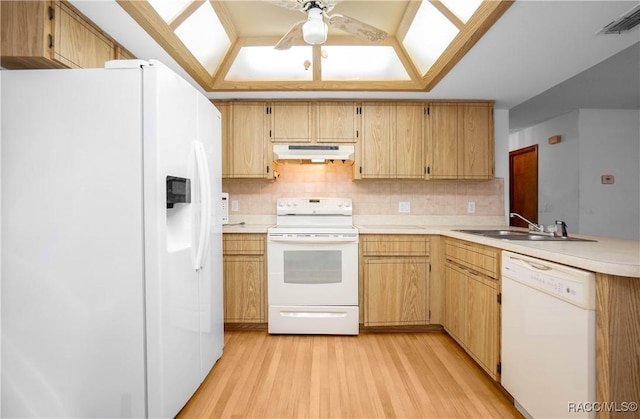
(312, 266)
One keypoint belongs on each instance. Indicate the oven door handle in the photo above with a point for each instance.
(313, 240)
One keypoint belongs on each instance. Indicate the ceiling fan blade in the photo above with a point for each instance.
(293, 36)
(354, 26)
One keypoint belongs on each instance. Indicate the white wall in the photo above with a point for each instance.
(594, 142)
(558, 168)
(610, 144)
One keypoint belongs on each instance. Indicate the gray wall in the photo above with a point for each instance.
(594, 142)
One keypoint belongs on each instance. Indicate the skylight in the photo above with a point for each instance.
(429, 35)
(206, 38)
(267, 63)
(197, 31)
(362, 63)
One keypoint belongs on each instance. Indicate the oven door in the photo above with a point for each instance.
(305, 270)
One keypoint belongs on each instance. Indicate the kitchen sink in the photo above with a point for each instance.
(522, 235)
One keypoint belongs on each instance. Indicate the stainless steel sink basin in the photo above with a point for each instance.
(522, 235)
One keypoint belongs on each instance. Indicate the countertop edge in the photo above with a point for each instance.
(583, 255)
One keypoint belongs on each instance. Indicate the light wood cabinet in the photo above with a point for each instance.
(244, 278)
(290, 122)
(472, 308)
(392, 141)
(43, 34)
(248, 154)
(460, 142)
(337, 122)
(395, 280)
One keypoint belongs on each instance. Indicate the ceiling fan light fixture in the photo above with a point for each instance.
(314, 30)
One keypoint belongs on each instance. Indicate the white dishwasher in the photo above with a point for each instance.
(548, 337)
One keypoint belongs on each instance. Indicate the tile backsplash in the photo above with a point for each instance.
(370, 197)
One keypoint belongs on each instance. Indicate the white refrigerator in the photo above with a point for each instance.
(111, 241)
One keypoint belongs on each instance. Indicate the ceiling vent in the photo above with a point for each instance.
(624, 23)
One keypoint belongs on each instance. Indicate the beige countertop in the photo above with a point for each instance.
(605, 255)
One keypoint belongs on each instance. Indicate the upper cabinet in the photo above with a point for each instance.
(460, 143)
(39, 34)
(392, 141)
(290, 122)
(337, 122)
(247, 152)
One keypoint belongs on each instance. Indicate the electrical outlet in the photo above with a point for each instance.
(471, 207)
(404, 206)
(234, 205)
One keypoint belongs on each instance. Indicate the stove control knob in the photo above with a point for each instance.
(281, 204)
(288, 204)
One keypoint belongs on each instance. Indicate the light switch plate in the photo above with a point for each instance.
(404, 207)
(234, 205)
(471, 207)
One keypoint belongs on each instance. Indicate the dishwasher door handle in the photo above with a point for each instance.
(537, 266)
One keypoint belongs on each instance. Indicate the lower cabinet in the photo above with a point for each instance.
(472, 307)
(395, 279)
(244, 278)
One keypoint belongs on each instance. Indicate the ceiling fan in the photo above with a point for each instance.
(314, 30)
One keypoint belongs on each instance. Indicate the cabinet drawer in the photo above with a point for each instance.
(479, 258)
(394, 245)
(243, 244)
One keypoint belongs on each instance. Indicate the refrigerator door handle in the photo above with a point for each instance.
(205, 205)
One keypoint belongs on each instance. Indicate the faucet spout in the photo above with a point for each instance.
(532, 226)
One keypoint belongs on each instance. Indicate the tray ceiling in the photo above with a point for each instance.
(228, 45)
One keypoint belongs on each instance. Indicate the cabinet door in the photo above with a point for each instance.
(247, 140)
(77, 44)
(443, 141)
(409, 141)
(455, 305)
(378, 160)
(244, 289)
(483, 322)
(395, 291)
(337, 122)
(290, 122)
(475, 144)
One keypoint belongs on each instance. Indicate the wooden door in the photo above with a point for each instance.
(336, 122)
(475, 140)
(523, 185)
(443, 147)
(247, 140)
(377, 158)
(290, 122)
(409, 140)
(455, 290)
(395, 291)
(243, 289)
(483, 321)
(76, 43)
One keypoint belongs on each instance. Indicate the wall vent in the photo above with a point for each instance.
(624, 23)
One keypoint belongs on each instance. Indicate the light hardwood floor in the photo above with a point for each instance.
(373, 375)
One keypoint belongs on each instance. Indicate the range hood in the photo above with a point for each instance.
(313, 152)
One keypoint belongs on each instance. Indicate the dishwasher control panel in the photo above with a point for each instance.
(570, 284)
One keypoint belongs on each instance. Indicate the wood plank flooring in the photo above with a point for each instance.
(373, 375)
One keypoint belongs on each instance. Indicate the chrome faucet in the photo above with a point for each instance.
(532, 226)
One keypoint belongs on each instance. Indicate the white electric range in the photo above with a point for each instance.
(313, 267)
